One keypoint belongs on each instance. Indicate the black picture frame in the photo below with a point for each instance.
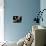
(17, 19)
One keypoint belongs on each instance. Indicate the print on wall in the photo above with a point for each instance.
(17, 19)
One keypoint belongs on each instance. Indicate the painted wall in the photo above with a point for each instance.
(24, 8)
(43, 6)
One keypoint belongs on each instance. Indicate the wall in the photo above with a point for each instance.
(43, 6)
(24, 8)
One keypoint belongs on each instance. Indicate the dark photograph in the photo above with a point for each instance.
(17, 19)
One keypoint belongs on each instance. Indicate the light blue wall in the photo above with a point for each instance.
(24, 8)
(43, 6)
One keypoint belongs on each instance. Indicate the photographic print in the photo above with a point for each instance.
(17, 19)
(22, 25)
